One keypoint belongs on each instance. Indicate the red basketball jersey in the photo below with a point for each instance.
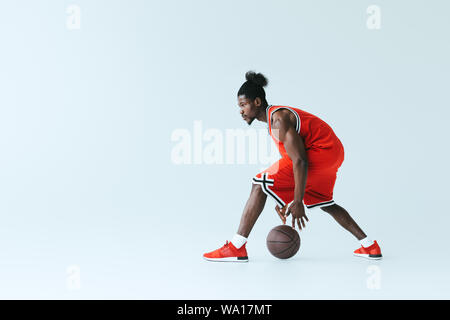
(315, 132)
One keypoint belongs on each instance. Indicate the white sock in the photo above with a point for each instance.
(238, 240)
(366, 242)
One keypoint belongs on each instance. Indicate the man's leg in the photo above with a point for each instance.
(237, 252)
(252, 210)
(345, 220)
(369, 249)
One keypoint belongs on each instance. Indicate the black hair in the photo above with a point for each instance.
(254, 86)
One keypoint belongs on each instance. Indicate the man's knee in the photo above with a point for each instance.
(330, 209)
(257, 190)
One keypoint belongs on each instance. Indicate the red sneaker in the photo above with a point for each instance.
(228, 253)
(373, 252)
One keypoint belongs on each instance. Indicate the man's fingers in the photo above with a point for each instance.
(283, 211)
(277, 209)
(288, 211)
(280, 210)
(282, 217)
(298, 222)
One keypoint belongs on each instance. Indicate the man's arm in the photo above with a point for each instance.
(283, 128)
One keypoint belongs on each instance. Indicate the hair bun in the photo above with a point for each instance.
(257, 78)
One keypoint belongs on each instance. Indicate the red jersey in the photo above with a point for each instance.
(325, 154)
(315, 132)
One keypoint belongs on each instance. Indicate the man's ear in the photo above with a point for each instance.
(258, 102)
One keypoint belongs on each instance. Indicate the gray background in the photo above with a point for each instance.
(86, 117)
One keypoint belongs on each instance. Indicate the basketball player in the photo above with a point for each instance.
(305, 174)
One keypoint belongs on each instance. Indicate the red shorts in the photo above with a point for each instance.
(323, 164)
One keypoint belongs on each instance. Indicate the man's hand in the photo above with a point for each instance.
(298, 214)
(281, 213)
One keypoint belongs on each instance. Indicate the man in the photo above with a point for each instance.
(305, 174)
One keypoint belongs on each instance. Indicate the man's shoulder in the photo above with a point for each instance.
(283, 118)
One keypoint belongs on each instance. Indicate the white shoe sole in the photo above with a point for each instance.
(368, 256)
(230, 259)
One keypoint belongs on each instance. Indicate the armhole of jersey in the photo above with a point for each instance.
(297, 127)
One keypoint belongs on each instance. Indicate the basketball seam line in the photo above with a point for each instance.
(285, 234)
(290, 247)
(272, 241)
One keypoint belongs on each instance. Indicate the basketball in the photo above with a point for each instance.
(283, 241)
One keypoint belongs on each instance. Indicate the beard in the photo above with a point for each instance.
(251, 120)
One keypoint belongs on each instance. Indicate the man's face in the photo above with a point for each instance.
(248, 109)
